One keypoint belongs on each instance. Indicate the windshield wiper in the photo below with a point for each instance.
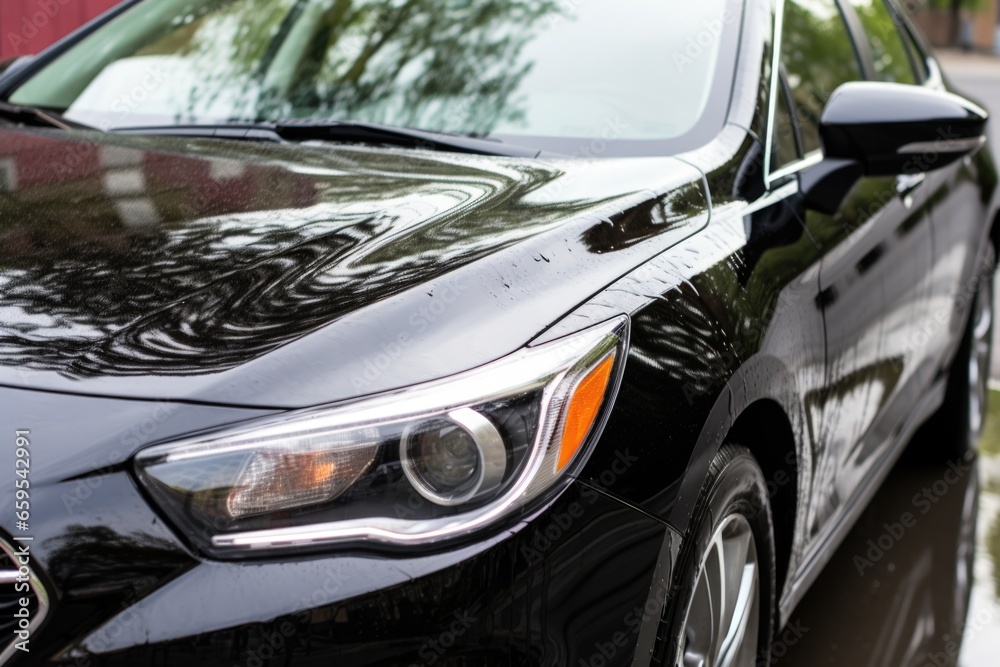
(349, 131)
(27, 115)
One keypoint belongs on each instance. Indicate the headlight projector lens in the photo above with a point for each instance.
(451, 460)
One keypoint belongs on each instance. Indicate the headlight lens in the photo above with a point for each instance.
(452, 460)
(415, 466)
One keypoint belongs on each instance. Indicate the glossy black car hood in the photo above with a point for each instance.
(293, 275)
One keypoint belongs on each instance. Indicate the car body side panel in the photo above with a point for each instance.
(964, 200)
(962, 217)
(736, 315)
(876, 256)
(726, 319)
(726, 313)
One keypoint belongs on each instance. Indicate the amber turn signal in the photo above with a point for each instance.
(583, 409)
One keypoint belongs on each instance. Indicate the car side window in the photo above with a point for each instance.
(818, 55)
(889, 55)
(917, 54)
(784, 143)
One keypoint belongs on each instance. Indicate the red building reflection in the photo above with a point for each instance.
(28, 26)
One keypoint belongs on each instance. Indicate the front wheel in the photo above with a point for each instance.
(980, 356)
(724, 611)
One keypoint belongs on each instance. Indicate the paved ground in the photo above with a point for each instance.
(978, 76)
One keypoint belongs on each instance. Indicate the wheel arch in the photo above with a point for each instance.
(759, 408)
(778, 458)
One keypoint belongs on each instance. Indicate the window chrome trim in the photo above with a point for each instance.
(810, 160)
(11, 577)
(770, 198)
(935, 79)
(772, 100)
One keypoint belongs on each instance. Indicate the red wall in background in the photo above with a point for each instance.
(28, 26)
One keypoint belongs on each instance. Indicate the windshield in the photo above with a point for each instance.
(532, 68)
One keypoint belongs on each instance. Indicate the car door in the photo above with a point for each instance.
(958, 220)
(912, 328)
(902, 236)
(876, 252)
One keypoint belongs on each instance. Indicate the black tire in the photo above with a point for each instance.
(953, 432)
(733, 498)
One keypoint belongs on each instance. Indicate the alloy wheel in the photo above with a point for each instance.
(979, 357)
(722, 624)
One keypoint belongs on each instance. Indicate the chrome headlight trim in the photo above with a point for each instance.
(560, 362)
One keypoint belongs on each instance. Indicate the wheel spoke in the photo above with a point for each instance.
(745, 620)
(979, 357)
(723, 617)
(984, 312)
(699, 629)
(735, 549)
(715, 568)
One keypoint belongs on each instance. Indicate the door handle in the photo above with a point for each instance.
(906, 185)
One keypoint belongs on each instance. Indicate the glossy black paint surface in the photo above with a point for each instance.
(476, 605)
(201, 269)
(879, 124)
(128, 587)
(155, 287)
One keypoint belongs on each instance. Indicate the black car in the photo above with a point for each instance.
(471, 332)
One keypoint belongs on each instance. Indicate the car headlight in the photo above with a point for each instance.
(414, 466)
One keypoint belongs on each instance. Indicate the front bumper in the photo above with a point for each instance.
(581, 581)
(568, 585)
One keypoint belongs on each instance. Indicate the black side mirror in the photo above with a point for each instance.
(888, 129)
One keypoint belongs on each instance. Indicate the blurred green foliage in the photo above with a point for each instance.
(990, 444)
(955, 5)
